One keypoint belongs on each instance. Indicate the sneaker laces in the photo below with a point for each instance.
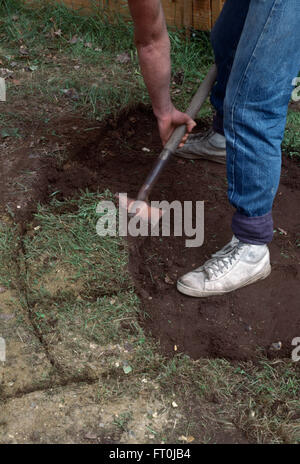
(222, 260)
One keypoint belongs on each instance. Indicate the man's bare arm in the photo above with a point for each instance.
(153, 46)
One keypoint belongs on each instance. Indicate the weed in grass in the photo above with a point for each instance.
(291, 142)
(122, 420)
(10, 132)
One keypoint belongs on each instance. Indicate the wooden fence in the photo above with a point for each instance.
(198, 14)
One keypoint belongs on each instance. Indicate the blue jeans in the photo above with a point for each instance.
(257, 52)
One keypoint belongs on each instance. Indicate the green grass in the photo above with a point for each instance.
(260, 399)
(94, 50)
(96, 29)
(51, 17)
(9, 249)
(291, 142)
(66, 232)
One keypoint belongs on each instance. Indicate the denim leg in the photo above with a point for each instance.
(225, 37)
(259, 88)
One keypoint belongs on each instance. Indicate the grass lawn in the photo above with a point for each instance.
(87, 371)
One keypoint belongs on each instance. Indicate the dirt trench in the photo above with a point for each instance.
(117, 155)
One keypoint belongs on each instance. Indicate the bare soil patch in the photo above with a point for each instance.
(238, 326)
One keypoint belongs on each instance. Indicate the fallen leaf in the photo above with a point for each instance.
(23, 50)
(123, 58)
(4, 72)
(58, 33)
(168, 280)
(71, 93)
(73, 40)
(91, 436)
(127, 369)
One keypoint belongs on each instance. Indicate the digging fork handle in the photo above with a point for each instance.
(194, 107)
(175, 139)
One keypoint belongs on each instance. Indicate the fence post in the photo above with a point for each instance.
(188, 16)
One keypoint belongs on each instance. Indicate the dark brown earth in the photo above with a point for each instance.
(241, 325)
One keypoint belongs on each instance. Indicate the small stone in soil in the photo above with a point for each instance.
(276, 346)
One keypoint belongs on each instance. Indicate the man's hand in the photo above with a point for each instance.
(168, 123)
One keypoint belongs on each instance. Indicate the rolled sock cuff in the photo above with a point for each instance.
(218, 125)
(253, 230)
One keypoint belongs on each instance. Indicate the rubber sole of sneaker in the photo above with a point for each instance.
(198, 294)
(215, 158)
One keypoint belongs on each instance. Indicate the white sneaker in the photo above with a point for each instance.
(238, 264)
(211, 146)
